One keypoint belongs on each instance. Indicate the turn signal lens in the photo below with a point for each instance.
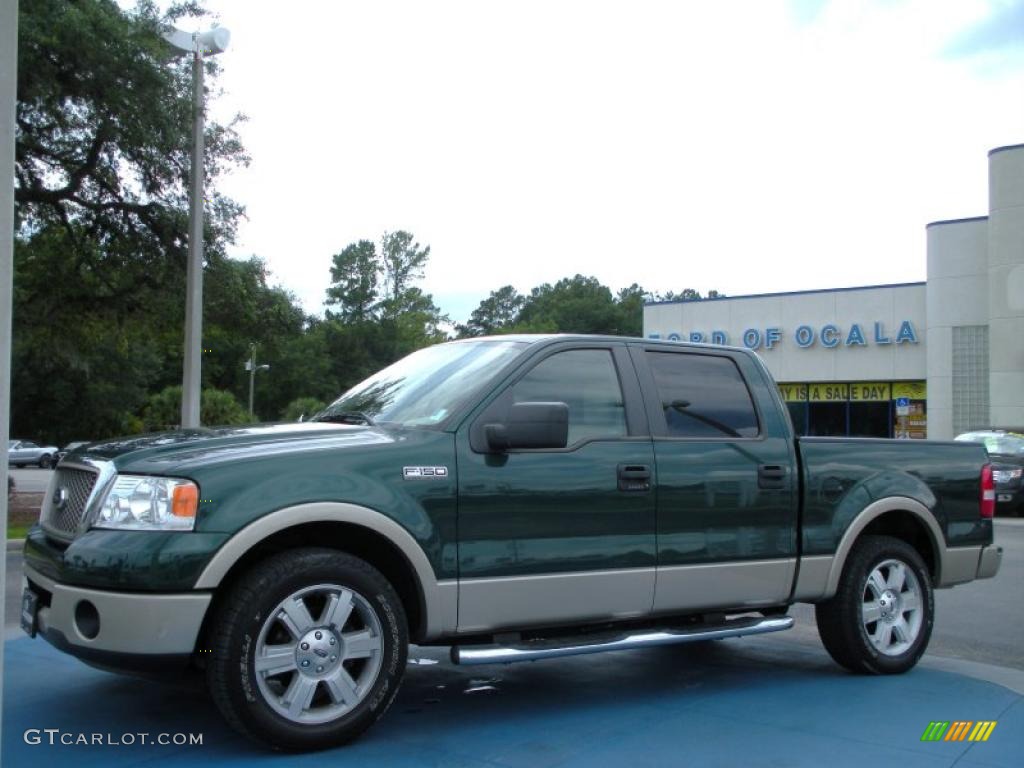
(185, 500)
(988, 492)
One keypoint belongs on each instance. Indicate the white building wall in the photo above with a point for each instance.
(788, 362)
(1006, 286)
(957, 295)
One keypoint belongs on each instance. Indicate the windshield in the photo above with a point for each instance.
(424, 388)
(1007, 444)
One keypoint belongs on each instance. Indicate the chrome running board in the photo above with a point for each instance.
(550, 648)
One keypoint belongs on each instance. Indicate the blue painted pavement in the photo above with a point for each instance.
(725, 703)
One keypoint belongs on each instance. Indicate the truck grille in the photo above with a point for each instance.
(77, 484)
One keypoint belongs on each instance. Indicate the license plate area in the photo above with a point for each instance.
(29, 611)
(1004, 497)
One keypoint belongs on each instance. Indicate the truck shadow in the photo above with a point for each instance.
(440, 709)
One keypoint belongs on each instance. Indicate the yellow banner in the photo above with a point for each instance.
(915, 390)
(869, 391)
(827, 393)
(793, 393)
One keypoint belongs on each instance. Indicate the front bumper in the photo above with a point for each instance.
(120, 630)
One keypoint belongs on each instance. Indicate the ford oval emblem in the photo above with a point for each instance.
(60, 498)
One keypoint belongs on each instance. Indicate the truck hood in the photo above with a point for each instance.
(164, 452)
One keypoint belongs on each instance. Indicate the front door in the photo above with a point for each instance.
(567, 535)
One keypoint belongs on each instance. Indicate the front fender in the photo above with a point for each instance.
(440, 598)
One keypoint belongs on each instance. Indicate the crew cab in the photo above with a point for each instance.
(514, 497)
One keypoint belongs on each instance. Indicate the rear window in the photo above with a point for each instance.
(703, 396)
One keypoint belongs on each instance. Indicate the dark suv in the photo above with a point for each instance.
(1006, 449)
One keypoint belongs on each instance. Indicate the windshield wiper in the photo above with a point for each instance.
(348, 417)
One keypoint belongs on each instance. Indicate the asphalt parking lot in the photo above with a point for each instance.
(773, 700)
(31, 479)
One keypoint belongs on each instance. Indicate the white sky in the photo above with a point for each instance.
(744, 146)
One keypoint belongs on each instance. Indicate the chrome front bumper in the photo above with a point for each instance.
(94, 623)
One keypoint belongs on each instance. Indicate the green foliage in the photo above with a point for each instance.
(355, 273)
(496, 314)
(302, 407)
(381, 314)
(572, 305)
(216, 406)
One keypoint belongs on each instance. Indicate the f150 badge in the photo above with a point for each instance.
(411, 473)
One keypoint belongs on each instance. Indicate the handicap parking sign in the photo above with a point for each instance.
(902, 402)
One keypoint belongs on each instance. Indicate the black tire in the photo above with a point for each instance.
(240, 692)
(844, 625)
(45, 461)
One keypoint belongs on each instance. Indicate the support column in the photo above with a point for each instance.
(1006, 286)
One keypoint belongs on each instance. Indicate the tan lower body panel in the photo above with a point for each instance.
(742, 584)
(561, 598)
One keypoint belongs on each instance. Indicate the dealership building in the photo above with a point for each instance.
(912, 360)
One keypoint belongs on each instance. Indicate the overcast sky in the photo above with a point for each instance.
(743, 146)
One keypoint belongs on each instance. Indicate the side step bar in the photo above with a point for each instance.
(555, 647)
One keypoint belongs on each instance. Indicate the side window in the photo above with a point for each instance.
(584, 379)
(29, 444)
(702, 395)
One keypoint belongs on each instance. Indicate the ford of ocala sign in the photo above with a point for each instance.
(806, 336)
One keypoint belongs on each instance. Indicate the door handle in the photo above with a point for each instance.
(634, 477)
(772, 477)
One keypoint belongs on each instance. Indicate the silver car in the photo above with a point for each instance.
(22, 452)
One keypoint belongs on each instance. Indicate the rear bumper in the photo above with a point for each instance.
(989, 562)
(119, 630)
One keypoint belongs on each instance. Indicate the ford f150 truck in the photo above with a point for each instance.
(517, 497)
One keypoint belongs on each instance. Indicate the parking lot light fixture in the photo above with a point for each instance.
(199, 44)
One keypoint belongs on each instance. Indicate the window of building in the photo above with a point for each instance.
(703, 396)
(584, 379)
(970, 378)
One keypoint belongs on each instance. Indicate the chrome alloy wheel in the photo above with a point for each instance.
(891, 610)
(315, 670)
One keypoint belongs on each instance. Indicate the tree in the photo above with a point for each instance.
(631, 302)
(354, 277)
(687, 294)
(103, 134)
(402, 262)
(383, 314)
(572, 305)
(217, 408)
(302, 407)
(496, 313)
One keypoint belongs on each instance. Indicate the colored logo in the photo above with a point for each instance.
(959, 730)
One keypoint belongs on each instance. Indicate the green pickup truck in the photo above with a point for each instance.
(515, 498)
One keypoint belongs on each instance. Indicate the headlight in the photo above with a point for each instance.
(139, 503)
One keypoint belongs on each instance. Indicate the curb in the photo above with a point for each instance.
(15, 545)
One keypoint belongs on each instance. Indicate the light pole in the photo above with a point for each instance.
(207, 43)
(8, 100)
(251, 367)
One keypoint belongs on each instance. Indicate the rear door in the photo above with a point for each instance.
(727, 503)
(556, 536)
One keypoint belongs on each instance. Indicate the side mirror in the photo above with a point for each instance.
(530, 425)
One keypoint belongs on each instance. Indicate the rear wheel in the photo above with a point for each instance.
(880, 619)
(308, 649)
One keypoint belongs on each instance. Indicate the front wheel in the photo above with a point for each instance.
(45, 461)
(880, 619)
(308, 649)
